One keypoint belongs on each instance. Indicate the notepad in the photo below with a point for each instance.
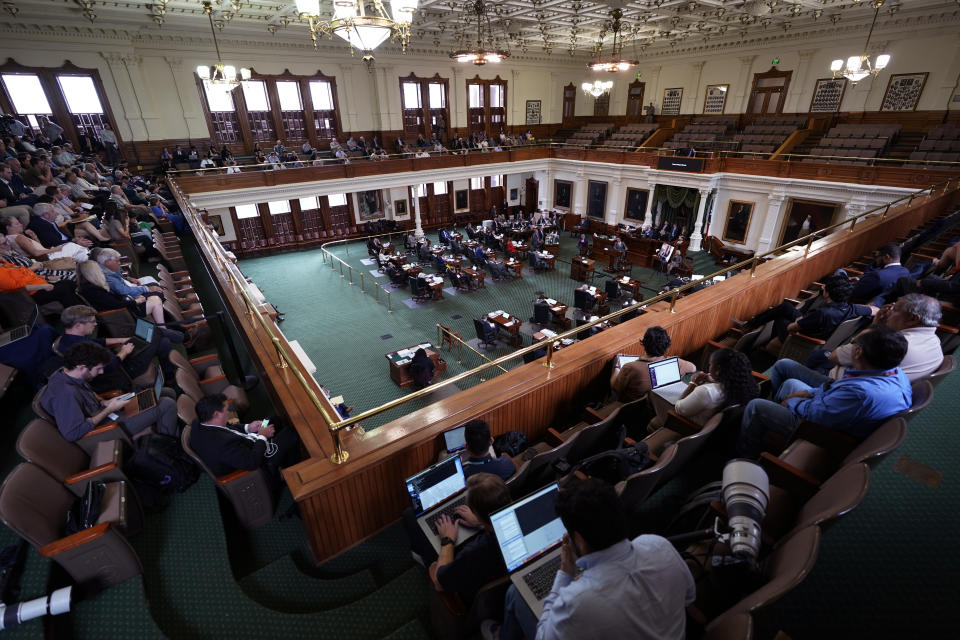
(551, 301)
(548, 333)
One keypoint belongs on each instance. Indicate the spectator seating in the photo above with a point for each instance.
(942, 144)
(854, 143)
(766, 135)
(630, 136)
(590, 134)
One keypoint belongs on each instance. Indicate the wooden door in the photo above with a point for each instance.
(532, 187)
(635, 101)
(569, 104)
(769, 92)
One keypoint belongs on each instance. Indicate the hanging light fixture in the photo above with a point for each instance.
(220, 73)
(859, 67)
(360, 30)
(597, 88)
(616, 61)
(481, 54)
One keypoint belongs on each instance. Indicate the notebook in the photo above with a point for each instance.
(529, 533)
(21, 332)
(665, 379)
(435, 491)
(454, 439)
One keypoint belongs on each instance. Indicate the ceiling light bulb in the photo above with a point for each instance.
(203, 72)
(836, 65)
(882, 61)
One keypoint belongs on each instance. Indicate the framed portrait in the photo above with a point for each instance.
(737, 226)
(533, 111)
(368, 203)
(636, 206)
(903, 91)
(806, 216)
(461, 202)
(827, 95)
(715, 98)
(514, 194)
(217, 223)
(671, 102)
(562, 192)
(596, 199)
(400, 207)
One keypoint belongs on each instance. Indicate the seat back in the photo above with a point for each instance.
(38, 407)
(541, 466)
(839, 495)
(516, 482)
(541, 314)
(635, 489)
(946, 367)
(33, 504)
(840, 335)
(922, 396)
(185, 443)
(186, 408)
(188, 384)
(878, 445)
(601, 436)
(580, 299)
(41, 444)
(613, 289)
(689, 447)
(482, 335)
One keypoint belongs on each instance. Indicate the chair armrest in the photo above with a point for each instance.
(801, 336)
(214, 385)
(593, 413)
(107, 429)
(74, 541)
(555, 435)
(89, 474)
(788, 477)
(683, 426)
(835, 442)
(111, 312)
(232, 476)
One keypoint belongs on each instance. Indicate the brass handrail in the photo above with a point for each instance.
(335, 426)
(460, 341)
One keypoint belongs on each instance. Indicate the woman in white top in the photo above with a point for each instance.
(26, 243)
(729, 382)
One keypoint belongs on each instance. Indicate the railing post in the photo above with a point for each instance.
(673, 301)
(753, 268)
(341, 267)
(809, 242)
(389, 310)
(361, 283)
(340, 454)
(853, 223)
(886, 210)
(549, 361)
(276, 345)
(350, 274)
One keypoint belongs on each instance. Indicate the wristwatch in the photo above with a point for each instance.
(446, 540)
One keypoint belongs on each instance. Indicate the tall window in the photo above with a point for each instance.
(496, 181)
(291, 110)
(324, 109)
(424, 107)
(419, 191)
(439, 188)
(309, 204)
(487, 105)
(259, 115)
(246, 211)
(337, 199)
(223, 114)
(476, 183)
(277, 207)
(70, 96)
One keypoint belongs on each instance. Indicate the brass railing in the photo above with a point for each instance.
(340, 455)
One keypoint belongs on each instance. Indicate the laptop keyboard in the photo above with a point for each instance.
(145, 399)
(540, 580)
(19, 332)
(447, 511)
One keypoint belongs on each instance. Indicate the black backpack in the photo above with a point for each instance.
(616, 464)
(159, 461)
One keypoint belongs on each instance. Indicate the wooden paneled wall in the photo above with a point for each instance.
(343, 504)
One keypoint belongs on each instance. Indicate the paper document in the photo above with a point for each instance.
(148, 280)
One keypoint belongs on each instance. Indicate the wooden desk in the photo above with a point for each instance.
(558, 311)
(456, 235)
(412, 270)
(522, 249)
(600, 246)
(471, 244)
(509, 325)
(387, 247)
(399, 258)
(514, 265)
(435, 284)
(629, 284)
(552, 247)
(453, 262)
(547, 258)
(400, 364)
(477, 275)
(581, 268)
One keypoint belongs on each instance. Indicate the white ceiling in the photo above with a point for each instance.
(558, 30)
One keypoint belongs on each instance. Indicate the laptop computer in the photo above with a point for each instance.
(144, 330)
(665, 379)
(455, 439)
(436, 491)
(529, 533)
(146, 399)
(623, 359)
(21, 332)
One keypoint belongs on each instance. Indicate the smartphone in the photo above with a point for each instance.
(126, 396)
(264, 423)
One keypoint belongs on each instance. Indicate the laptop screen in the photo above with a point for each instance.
(435, 484)
(625, 360)
(158, 384)
(144, 330)
(528, 527)
(664, 372)
(454, 439)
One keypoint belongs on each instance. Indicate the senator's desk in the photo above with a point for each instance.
(642, 251)
(581, 268)
(478, 276)
(627, 283)
(510, 325)
(400, 366)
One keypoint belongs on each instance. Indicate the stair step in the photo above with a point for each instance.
(281, 586)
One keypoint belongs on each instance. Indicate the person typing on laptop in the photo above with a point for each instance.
(480, 455)
(77, 409)
(463, 571)
(632, 381)
(608, 586)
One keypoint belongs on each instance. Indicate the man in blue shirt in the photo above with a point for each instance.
(869, 392)
(109, 260)
(877, 282)
(480, 454)
(608, 586)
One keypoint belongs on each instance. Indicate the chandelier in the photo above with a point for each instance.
(220, 73)
(597, 88)
(361, 30)
(859, 67)
(616, 62)
(480, 54)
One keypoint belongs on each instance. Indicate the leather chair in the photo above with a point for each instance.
(247, 491)
(41, 444)
(638, 487)
(485, 334)
(33, 505)
(613, 290)
(541, 314)
(417, 290)
(946, 367)
(90, 441)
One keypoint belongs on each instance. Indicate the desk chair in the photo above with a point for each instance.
(541, 314)
(613, 290)
(447, 337)
(418, 291)
(486, 334)
(583, 300)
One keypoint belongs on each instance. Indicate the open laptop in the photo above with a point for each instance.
(144, 330)
(665, 379)
(455, 439)
(529, 533)
(146, 399)
(21, 332)
(436, 491)
(623, 359)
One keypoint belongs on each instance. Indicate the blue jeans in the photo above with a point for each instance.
(786, 369)
(518, 619)
(762, 416)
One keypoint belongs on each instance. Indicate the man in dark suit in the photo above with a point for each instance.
(12, 188)
(43, 223)
(877, 282)
(227, 447)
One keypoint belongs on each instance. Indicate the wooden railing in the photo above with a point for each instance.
(342, 504)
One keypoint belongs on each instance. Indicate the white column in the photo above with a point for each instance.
(745, 83)
(544, 189)
(133, 129)
(648, 214)
(771, 222)
(580, 197)
(692, 103)
(415, 205)
(348, 115)
(696, 237)
(800, 78)
(614, 198)
(188, 97)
